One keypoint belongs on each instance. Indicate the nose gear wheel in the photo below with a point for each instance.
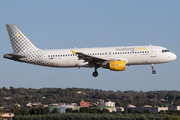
(153, 71)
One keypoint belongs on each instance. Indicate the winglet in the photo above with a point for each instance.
(73, 52)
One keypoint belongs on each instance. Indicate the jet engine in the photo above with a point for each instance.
(115, 65)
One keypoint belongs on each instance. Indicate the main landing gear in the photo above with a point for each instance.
(153, 71)
(95, 73)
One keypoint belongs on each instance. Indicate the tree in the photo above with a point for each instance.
(142, 118)
(69, 110)
(75, 111)
(18, 112)
(162, 111)
(16, 109)
(137, 111)
(25, 112)
(146, 111)
(130, 111)
(93, 110)
(39, 111)
(1, 112)
(33, 111)
(123, 112)
(104, 110)
(47, 110)
(55, 110)
(173, 118)
(84, 110)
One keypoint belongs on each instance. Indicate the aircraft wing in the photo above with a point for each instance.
(88, 58)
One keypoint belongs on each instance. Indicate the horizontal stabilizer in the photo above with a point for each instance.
(14, 56)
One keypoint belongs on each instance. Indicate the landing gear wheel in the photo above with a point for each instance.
(153, 72)
(95, 74)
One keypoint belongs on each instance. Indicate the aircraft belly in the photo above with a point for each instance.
(67, 63)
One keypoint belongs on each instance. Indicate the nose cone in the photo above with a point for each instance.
(173, 56)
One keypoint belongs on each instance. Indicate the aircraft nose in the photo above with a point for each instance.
(174, 56)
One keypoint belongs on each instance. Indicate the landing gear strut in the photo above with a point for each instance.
(153, 71)
(95, 73)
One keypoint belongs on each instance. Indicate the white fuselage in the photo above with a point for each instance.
(132, 55)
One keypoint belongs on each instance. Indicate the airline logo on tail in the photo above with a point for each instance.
(19, 41)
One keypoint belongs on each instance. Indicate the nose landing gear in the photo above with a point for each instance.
(153, 71)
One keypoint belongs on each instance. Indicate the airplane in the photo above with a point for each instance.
(112, 58)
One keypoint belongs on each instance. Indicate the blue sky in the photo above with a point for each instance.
(60, 24)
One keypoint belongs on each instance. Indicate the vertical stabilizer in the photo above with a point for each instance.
(20, 43)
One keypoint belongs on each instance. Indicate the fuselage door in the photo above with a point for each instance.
(153, 52)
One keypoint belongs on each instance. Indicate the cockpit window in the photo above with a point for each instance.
(163, 51)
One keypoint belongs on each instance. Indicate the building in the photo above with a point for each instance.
(51, 107)
(173, 107)
(7, 98)
(146, 107)
(28, 104)
(36, 104)
(141, 109)
(110, 108)
(83, 104)
(101, 102)
(62, 108)
(131, 107)
(112, 104)
(119, 109)
(158, 109)
(74, 104)
(80, 92)
(7, 115)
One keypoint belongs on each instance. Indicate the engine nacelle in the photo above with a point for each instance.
(115, 65)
